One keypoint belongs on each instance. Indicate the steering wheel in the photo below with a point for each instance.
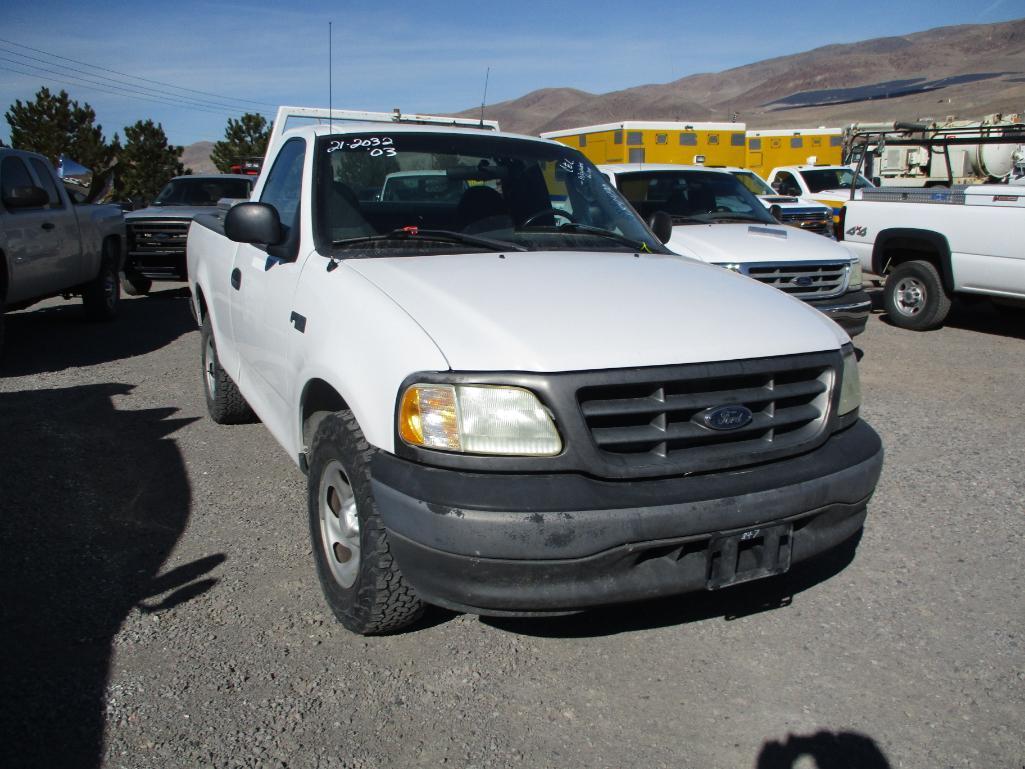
(547, 212)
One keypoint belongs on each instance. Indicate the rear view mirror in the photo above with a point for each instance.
(253, 223)
(776, 212)
(661, 224)
(26, 197)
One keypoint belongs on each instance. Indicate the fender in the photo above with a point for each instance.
(913, 240)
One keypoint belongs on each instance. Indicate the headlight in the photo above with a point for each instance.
(854, 281)
(477, 419)
(731, 266)
(850, 385)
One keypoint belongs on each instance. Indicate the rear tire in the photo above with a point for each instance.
(224, 402)
(914, 297)
(135, 284)
(360, 579)
(102, 294)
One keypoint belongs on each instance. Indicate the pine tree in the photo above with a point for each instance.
(55, 125)
(147, 161)
(246, 137)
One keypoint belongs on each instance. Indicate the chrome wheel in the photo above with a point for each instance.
(910, 296)
(210, 367)
(339, 524)
(110, 288)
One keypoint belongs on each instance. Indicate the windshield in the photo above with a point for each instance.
(692, 197)
(833, 179)
(406, 193)
(753, 182)
(201, 191)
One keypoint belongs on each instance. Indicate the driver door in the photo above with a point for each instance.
(263, 282)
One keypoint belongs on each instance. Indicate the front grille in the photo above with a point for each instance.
(149, 237)
(820, 222)
(805, 280)
(660, 418)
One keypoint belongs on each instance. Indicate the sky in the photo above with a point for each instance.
(191, 65)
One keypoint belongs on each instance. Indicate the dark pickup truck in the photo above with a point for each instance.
(156, 234)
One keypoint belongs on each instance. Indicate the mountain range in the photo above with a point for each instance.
(966, 71)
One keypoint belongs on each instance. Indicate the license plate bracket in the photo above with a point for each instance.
(748, 554)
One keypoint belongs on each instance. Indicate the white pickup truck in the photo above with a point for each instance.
(53, 244)
(718, 220)
(932, 244)
(508, 408)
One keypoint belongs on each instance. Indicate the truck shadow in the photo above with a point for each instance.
(828, 750)
(970, 315)
(57, 336)
(94, 500)
(730, 603)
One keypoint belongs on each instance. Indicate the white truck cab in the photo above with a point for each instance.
(716, 219)
(804, 213)
(504, 407)
(829, 185)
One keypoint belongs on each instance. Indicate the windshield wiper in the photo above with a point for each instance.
(637, 245)
(437, 236)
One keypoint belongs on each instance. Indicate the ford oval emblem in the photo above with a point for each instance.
(727, 417)
(804, 280)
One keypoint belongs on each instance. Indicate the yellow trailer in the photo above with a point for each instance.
(710, 144)
(793, 147)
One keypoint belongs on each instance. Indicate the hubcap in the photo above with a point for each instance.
(209, 362)
(110, 288)
(339, 524)
(910, 296)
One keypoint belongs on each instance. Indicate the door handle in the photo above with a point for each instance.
(48, 225)
(236, 279)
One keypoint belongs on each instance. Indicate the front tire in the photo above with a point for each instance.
(361, 581)
(914, 297)
(135, 284)
(102, 295)
(224, 402)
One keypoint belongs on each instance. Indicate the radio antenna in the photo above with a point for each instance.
(484, 98)
(330, 81)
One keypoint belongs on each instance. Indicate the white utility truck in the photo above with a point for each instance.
(508, 408)
(933, 244)
(716, 219)
(805, 214)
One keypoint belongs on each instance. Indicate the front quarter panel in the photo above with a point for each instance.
(362, 343)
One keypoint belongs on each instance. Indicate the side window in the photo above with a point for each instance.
(786, 184)
(46, 182)
(14, 173)
(284, 184)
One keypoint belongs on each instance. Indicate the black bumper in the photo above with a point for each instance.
(850, 311)
(499, 544)
(164, 265)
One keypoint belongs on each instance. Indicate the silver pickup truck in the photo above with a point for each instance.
(52, 245)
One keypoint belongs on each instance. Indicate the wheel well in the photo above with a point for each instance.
(896, 247)
(113, 242)
(201, 300)
(319, 400)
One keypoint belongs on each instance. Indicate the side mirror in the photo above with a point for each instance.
(776, 212)
(253, 223)
(26, 197)
(661, 224)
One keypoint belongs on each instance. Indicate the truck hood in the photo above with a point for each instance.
(169, 212)
(572, 311)
(788, 202)
(743, 243)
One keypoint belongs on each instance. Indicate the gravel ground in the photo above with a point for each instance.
(160, 607)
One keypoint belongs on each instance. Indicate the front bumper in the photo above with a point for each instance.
(524, 544)
(850, 310)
